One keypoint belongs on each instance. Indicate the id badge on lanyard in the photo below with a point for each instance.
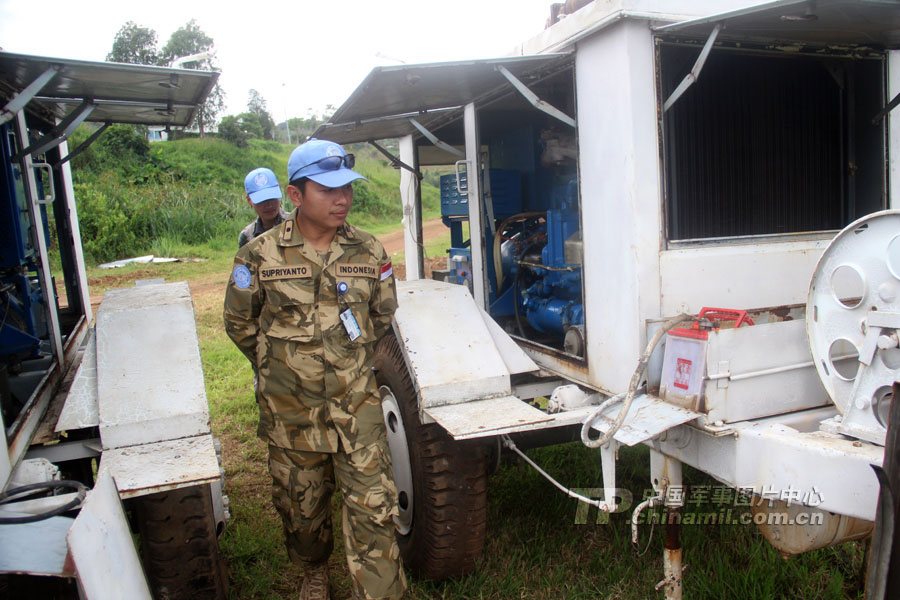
(347, 316)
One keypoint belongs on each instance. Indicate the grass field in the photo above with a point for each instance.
(535, 548)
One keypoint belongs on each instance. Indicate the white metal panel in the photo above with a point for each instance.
(647, 417)
(80, 409)
(151, 468)
(839, 471)
(513, 356)
(770, 455)
(834, 22)
(894, 130)
(37, 548)
(149, 375)
(103, 549)
(411, 197)
(604, 13)
(619, 172)
(448, 348)
(486, 417)
(752, 275)
(759, 371)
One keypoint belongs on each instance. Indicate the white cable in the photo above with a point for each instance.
(601, 504)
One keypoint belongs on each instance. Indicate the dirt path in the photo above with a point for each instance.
(393, 241)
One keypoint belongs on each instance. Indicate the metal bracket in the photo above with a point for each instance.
(888, 108)
(691, 77)
(59, 133)
(396, 162)
(21, 99)
(533, 98)
(434, 139)
(83, 146)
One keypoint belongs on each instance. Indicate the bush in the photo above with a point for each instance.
(137, 198)
(230, 130)
(105, 232)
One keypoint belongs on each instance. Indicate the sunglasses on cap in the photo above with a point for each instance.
(330, 163)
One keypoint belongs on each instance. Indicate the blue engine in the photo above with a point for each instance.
(532, 279)
(552, 302)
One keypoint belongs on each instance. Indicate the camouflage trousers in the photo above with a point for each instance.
(302, 484)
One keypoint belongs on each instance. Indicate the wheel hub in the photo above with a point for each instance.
(397, 443)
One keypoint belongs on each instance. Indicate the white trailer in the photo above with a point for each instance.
(104, 425)
(634, 166)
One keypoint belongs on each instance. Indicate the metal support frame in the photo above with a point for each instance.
(691, 77)
(533, 99)
(883, 577)
(434, 139)
(888, 108)
(396, 162)
(83, 146)
(47, 289)
(59, 133)
(66, 451)
(411, 196)
(65, 173)
(666, 478)
(754, 454)
(476, 212)
(20, 100)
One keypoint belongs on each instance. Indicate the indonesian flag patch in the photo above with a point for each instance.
(386, 270)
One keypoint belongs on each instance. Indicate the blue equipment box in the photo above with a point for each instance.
(506, 193)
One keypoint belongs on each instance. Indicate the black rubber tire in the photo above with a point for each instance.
(179, 547)
(449, 481)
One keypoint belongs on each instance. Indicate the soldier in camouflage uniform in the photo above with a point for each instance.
(306, 303)
(264, 197)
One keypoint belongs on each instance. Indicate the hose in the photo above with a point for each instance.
(498, 260)
(546, 268)
(651, 502)
(632, 389)
(15, 495)
(516, 302)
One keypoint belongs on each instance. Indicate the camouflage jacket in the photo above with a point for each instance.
(255, 228)
(316, 386)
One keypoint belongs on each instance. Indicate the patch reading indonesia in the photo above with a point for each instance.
(357, 270)
(241, 276)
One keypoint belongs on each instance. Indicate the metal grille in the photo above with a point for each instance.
(754, 147)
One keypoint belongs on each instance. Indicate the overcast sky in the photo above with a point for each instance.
(298, 54)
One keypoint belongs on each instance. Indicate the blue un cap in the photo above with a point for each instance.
(324, 162)
(261, 185)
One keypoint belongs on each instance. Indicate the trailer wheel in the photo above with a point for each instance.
(442, 483)
(179, 546)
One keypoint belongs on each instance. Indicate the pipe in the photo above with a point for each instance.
(650, 502)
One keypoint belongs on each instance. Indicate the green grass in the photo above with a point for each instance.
(534, 549)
